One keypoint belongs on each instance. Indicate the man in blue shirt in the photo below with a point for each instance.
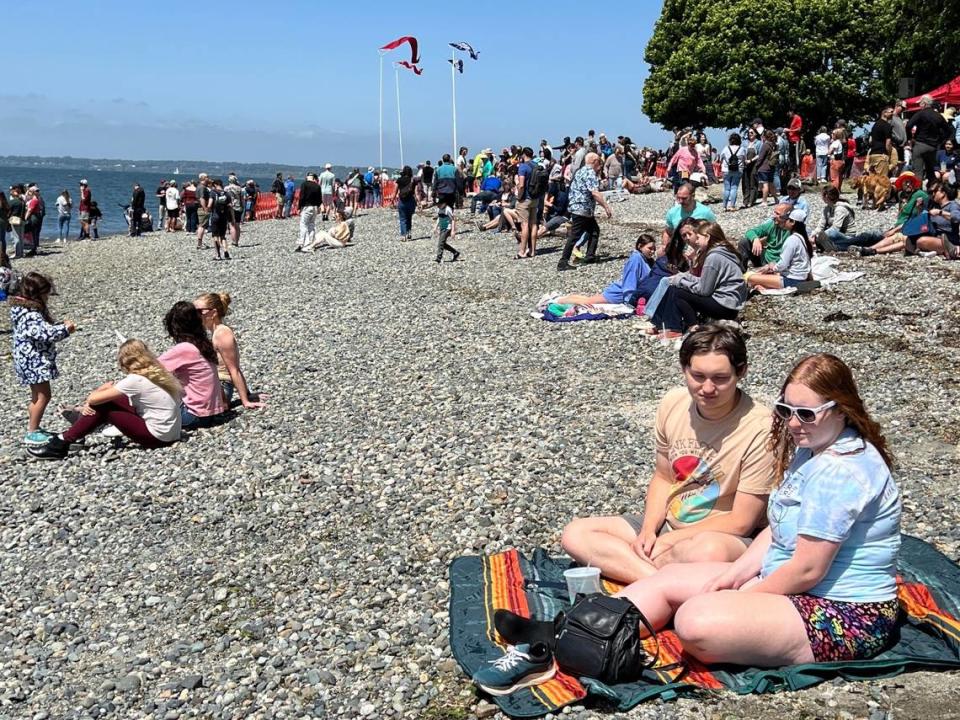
(489, 191)
(288, 189)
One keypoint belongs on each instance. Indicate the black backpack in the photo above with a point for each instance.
(733, 162)
(537, 181)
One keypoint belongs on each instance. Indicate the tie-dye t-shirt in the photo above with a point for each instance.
(712, 460)
(845, 495)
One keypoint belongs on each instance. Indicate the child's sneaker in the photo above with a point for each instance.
(36, 438)
(523, 665)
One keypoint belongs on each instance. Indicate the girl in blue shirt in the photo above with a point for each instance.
(819, 584)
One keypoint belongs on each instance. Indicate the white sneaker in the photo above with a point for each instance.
(111, 431)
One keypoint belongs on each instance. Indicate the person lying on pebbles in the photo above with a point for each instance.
(627, 288)
(144, 406)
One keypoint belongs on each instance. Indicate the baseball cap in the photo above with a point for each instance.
(83, 182)
(798, 215)
(795, 183)
(328, 166)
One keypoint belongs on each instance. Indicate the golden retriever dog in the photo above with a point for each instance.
(874, 188)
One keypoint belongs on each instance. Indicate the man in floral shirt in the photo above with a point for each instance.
(584, 194)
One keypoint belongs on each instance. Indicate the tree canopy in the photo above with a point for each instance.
(721, 64)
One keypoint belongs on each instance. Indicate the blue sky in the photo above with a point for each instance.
(297, 82)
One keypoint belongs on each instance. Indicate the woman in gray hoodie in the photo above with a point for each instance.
(717, 292)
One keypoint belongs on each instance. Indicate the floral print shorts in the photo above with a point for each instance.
(846, 630)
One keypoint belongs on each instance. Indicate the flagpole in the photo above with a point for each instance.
(453, 85)
(381, 110)
(396, 71)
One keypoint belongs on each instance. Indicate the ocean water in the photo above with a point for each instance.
(111, 189)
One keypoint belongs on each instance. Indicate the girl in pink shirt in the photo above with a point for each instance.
(193, 361)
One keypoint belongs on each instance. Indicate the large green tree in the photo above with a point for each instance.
(925, 43)
(722, 63)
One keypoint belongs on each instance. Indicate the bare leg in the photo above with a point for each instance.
(39, 399)
(765, 280)
(575, 299)
(606, 543)
(704, 547)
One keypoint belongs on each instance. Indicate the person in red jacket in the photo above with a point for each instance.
(793, 135)
(851, 155)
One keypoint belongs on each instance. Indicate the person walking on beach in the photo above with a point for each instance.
(138, 204)
(235, 192)
(221, 214)
(445, 228)
(85, 198)
(171, 201)
(406, 202)
(326, 181)
(64, 211)
(311, 198)
(584, 195)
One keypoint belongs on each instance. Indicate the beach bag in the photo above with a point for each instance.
(598, 638)
(917, 226)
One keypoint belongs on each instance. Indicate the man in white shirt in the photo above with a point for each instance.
(822, 144)
(172, 202)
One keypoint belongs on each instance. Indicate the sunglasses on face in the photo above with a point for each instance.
(806, 415)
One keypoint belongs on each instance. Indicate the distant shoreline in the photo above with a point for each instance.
(174, 168)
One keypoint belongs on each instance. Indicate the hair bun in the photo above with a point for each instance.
(225, 301)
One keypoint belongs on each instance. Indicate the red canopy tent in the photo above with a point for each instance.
(948, 94)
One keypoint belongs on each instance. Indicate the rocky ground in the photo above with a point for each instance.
(292, 562)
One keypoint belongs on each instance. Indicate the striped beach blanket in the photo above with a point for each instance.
(929, 635)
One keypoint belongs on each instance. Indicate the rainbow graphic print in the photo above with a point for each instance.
(699, 489)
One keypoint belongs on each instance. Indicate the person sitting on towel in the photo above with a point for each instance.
(819, 583)
(793, 267)
(624, 290)
(713, 473)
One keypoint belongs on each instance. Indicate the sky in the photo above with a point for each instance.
(297, 81)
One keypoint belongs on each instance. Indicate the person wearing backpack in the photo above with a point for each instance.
(731, 164)
(221, 213)
(532, 180)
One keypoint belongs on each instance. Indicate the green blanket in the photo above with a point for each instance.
(928, 637)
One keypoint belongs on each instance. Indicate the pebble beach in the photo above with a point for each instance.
(292, 562)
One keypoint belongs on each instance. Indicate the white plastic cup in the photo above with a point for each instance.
(582, 580)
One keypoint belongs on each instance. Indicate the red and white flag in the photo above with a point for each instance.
(405, 40)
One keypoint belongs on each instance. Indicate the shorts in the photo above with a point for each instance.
(173, 214)
(528, 211)
(203, 220)
(790, 282)
(841, 631)
(327, 200)
(764, 176)
(84, 217)
(636, 523)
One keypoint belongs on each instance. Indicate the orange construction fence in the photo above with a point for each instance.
(266, 205)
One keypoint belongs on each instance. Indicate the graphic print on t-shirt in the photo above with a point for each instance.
(696, 489)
